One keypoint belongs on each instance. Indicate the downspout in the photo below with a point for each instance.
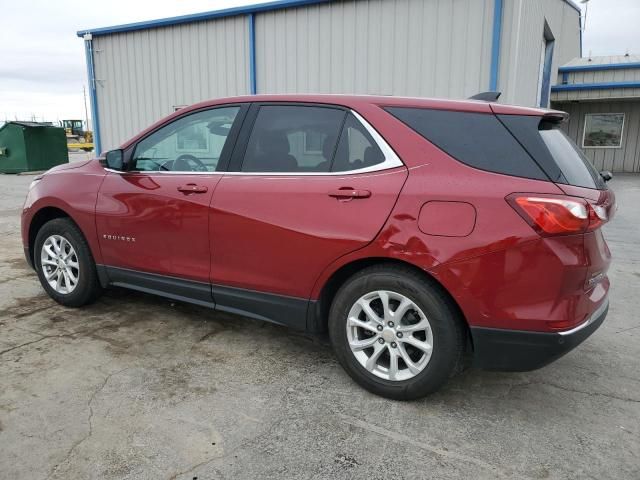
(580, 27)
(495, 45)
(93, 99)
(253, 87)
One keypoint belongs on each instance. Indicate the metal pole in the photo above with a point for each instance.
(86, 112)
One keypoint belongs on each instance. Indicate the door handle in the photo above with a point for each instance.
(348, 192)
(192, 188)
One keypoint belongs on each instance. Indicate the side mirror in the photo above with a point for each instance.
(606, 175)
(114, 160)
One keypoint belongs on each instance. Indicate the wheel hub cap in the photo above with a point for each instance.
(389, 335)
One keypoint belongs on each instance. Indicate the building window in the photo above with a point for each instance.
(313, 142)
(603, 130)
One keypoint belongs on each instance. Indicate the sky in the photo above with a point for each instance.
(42, 61)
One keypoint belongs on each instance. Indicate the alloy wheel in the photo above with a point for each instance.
(389, 335)
(60, 264)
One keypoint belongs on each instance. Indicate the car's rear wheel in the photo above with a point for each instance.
(395, 332)
(64, 264)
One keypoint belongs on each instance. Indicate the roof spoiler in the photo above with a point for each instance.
(486, 96)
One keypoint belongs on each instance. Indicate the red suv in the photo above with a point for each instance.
(416, 231)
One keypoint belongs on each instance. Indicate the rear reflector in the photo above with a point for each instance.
(557, 214)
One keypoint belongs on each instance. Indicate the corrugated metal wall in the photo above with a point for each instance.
(435, 48)
(523, 31)
(624, 159)
(142, 75)
(430, 48)
(599, 76)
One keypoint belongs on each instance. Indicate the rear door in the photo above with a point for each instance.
(308, 184)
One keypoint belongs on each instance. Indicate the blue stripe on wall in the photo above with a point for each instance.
(253, 87)
(594, 86)
(604, 66)
(495, 45)
(93, 99)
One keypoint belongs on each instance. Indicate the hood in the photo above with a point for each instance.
(92, 167)
(67, 166)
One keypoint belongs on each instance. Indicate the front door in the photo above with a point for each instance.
(311, 184)
(152, 220)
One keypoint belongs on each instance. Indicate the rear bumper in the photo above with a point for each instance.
(520, 351)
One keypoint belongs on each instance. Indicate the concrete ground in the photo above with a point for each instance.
(138, 387)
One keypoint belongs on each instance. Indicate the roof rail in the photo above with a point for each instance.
(486, 96)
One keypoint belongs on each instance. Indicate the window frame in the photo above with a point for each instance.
(584, 130)
(225, 155)
(391, 159)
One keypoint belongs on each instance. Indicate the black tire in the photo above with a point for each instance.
(447, 327)
(88, 288)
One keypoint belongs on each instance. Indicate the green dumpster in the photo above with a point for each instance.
(30, 146)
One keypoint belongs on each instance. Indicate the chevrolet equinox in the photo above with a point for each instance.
(417, 232)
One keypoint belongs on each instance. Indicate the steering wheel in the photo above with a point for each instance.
(183, 163)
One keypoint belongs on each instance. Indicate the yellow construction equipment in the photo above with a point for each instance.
(77, 136)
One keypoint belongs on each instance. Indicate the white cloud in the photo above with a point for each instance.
(42, 61)
(611, 27)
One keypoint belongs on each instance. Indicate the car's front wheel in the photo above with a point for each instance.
(64, 263)
(396, 333)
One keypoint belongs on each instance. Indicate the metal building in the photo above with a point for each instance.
(602, 96)
(141, 72)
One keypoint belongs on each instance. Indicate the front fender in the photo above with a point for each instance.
(72, 191)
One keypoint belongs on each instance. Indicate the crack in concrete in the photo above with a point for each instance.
(239, 447)
(89, 423)
(573, 390)
(406, 440)
(627, 329)
(79, 333)
(2, 352)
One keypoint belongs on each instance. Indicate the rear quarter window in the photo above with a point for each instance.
(561, 159)
(479, 140)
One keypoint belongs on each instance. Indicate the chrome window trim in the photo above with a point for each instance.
(391, 160)
(594, 316)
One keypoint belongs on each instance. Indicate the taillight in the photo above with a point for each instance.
(557, 214)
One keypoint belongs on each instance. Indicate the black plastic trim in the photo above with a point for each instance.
(27, 255)
(103, 276)
(269, 307)
(170, 287)
(490, 96)
(522, 351)
(524, 129)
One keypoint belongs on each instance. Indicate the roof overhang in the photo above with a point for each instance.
(594, 86)
(227, 12)
(601, 67)
(199, 17)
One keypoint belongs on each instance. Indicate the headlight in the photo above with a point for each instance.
(35, 181)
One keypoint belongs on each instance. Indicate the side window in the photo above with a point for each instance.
(192, 143)
(293, 139)
(356, 148)
(479, 140)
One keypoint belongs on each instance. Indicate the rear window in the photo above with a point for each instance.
(479, 140)
(560, 158)
(575, 166)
